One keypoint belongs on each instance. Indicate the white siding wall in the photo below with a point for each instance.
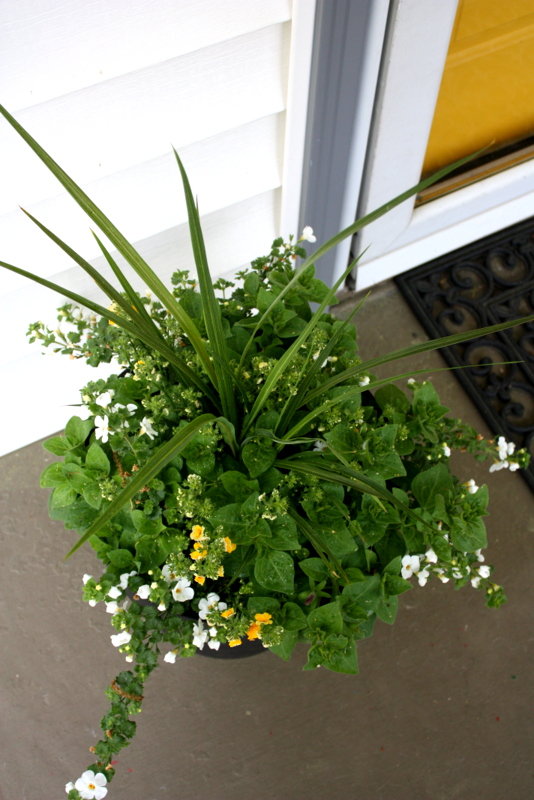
(107, 86)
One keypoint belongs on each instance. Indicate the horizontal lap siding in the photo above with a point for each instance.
(215, 88)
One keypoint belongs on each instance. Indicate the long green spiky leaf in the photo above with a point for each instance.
(285, 361)
(350, 231)
(294, 402)
(347, 477)
(120, 242)
(210, 305)
(188, 375)
(319, 546)
(353, 391)
(412, 350)
(159, 460)
(136, 301)
(99, 279)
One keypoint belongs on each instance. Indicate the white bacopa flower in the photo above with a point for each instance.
(69, 787)
(125, 577)
(129, 659)
(105, 398)
(119, 639)
(146, 427)
(131, 407)
(471, 486)
(479, 555)
(86, 578)
(112, 607)
(162, 607)
(115, 592)
(364, 381)
(91, 786)
(170, 657)
(484, 572)
(422, 576)
(320, 446)
(441, 574)
(93, 603)
(102, 427)
(209, 604)
(410, 565)
(183, 591)
(431, 557)
(307, 234)
(497, 465)
(475, 582)
(214, 644)
(200, 635)
(169, 574)
(446, 450)
(143, 592)
(513, 466)
(502, 446)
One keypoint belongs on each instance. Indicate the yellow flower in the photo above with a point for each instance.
(198, 554)
(229, 546)
(220, 572)
(228, 613)
(234, 642)
(254, 631)
(264, 619)
(198, 546)
(200, 579)
(197, 533)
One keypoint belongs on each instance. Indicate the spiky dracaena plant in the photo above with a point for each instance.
(238, 478)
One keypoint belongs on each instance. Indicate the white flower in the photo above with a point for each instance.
(214, 644)
(169, 574)
(182, 591)
(86, 578)
(484, 572)
(503, 448)
(91, 786)
(410, 381)
(457, 573)
(476, 581)
(102, 428)
(364, 381)
(441, 574)
(131, 407)
(170, 657)
(93, 603)
(125, 578)
(112, 607)
(104, 399)
(146, 427)
(143, 592)
(497, 465)
(120, 638)
(162, 607)
(446, 450)
(513, 466)
(129, 659)
(307, 234)
(431, 557)
(69, 787)
(320, 446)
(200, 635)
(115, 592)
(410, 565)
(209, 604)
(479, 555)
(422, 576)
(471, 486)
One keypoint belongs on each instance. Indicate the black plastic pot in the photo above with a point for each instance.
(244, 650)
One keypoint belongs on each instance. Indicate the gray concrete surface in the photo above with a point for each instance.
(441, 710)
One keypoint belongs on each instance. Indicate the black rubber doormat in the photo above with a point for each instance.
(484, 283)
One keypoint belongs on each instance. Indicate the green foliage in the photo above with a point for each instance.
(241, 455)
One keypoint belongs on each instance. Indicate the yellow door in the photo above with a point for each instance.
(487, 91)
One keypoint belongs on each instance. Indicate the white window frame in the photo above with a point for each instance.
(415, 50)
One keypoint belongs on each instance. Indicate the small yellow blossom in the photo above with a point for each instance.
(229, 546)
(197, 533)
(220, 572)
(264, 619)
(234, 642)
(254, 631)
(228, 613)
(200, 579)
(197, 554)
(198, 546)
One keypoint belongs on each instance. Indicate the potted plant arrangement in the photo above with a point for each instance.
(245, 479)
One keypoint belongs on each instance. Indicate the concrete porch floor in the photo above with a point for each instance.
(441, 709)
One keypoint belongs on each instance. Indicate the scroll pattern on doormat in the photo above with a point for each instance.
(484, 283)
